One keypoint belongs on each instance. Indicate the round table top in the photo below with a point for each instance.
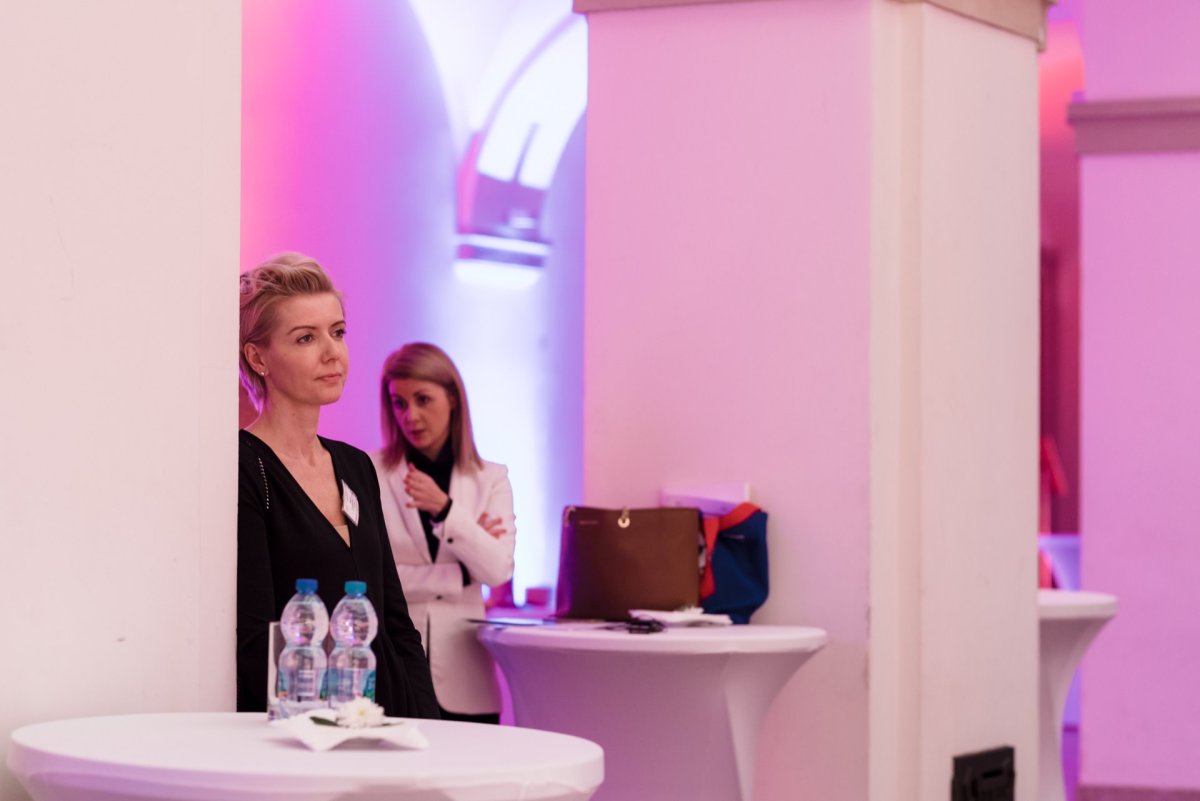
(1075, 605)
(678, 640)
(241, 753)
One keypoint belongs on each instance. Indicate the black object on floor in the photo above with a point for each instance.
(985, 776)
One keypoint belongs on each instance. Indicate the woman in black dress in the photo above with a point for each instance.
(309, 506)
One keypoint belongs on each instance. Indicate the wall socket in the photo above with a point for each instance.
(985, 776)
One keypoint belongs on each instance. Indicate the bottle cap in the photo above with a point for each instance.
(356, 587)
(305, 586)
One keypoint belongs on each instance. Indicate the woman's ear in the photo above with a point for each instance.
(254, 358)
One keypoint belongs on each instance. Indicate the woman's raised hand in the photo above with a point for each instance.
(424, 492)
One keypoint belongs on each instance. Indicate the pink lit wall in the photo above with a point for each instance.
(1140, 393)
(348, 155)
(1134, 50)
(345, 157)
(1140, 429)
(727, 316)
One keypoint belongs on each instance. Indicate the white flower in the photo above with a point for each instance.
(361, 713)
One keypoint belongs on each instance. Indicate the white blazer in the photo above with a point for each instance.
(463, 676)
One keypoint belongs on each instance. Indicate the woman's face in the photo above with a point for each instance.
(422, 410)
(306, 359)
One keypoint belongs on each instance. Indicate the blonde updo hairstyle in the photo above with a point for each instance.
(421, 361)
(286, 275)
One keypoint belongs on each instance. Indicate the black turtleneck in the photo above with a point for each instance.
(439, 470)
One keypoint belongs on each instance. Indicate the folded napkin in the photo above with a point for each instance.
(399, 732)
(693, 616)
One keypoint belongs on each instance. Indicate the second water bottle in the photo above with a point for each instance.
(352, 663)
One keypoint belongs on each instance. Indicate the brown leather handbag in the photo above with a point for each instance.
(614, 560)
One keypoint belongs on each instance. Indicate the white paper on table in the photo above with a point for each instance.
(400, 732)
(683, 617)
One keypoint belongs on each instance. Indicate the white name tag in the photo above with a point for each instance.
(349, 503)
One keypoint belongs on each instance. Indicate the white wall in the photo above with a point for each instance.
(119, 218)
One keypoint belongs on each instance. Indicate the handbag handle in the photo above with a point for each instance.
(622, 521)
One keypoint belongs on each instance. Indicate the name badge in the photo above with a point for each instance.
(349, 503)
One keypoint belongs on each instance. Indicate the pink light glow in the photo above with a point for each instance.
(348, 154)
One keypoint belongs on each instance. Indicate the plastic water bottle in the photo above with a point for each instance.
(300, 680)
(352, 663)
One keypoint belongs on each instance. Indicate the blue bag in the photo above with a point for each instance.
(735, 578)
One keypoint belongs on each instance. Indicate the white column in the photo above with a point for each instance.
(119, 218)
(812, 266)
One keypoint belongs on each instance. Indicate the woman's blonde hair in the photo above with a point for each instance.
(285, 275)
(421, 361)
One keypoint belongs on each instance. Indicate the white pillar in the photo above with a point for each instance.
(812, 266)
(119, 218)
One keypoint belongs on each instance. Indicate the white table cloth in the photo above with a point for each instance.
(238, 757)
(677, 712)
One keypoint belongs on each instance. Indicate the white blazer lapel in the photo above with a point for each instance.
(409, 515)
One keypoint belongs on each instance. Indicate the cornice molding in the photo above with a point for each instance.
(1146, 125)
(1023, 17)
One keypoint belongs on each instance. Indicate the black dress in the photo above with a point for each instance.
(282, 536)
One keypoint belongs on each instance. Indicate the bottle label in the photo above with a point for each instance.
(347, 684)
(306, 684)
(300, 685)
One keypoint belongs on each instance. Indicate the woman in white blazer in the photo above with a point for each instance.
(449, 516)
